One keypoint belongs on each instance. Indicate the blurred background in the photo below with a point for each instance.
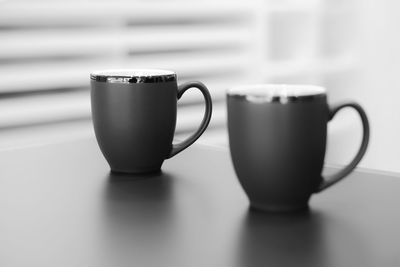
(48, 48)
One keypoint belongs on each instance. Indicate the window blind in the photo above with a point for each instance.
(47, 50)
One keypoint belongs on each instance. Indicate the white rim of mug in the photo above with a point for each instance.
(144, 75)
(261, 93)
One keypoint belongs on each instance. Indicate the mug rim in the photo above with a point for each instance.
(142, 75)
(280, 93)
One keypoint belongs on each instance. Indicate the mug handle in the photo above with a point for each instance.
(206, 118)
(332, 179)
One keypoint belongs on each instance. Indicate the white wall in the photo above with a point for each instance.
(381, 81)
(377, 89)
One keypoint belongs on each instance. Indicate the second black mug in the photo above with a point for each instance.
(134, 117)
(277, 138)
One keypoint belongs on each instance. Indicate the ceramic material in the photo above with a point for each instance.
(277, 137)
(134, 117)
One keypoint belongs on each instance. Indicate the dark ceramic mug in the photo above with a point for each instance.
(277, 138)
(134, 117)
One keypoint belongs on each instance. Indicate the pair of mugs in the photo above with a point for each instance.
(277, 133)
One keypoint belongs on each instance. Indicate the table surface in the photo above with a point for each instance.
(60, 206)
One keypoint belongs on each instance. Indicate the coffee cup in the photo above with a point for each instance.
(277, 139)
(134, 115)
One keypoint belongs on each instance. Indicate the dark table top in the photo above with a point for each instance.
(60, 206)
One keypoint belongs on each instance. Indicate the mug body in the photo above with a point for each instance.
(134, 118)
(277, 140)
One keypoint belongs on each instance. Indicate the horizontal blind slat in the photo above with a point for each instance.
(44, 109)
(96, 42)
(21, 11)
(25, 77)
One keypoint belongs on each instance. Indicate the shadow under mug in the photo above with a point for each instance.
(134, 116)
(277, 138)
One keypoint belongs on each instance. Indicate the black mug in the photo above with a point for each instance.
(134, 117)
(277, 138)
